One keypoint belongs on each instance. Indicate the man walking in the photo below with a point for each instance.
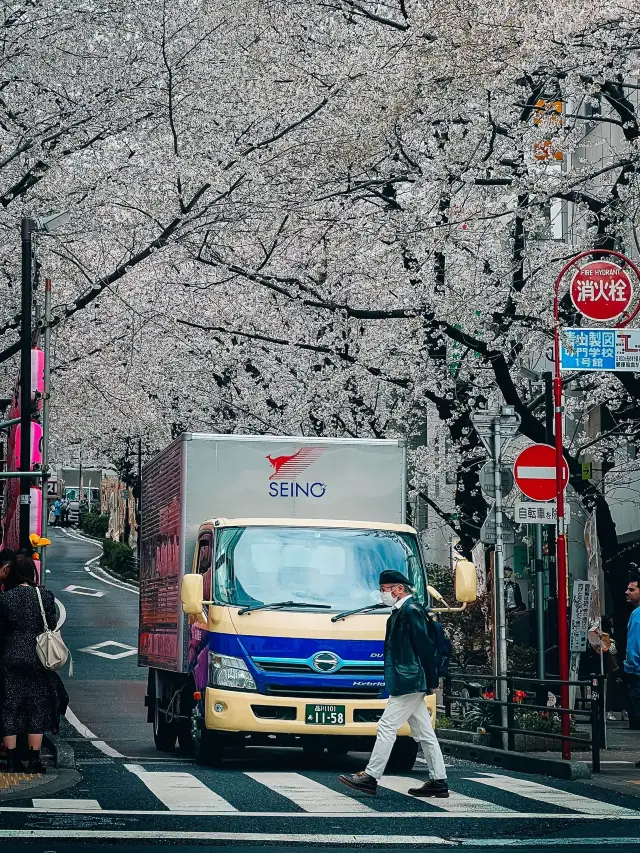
(409, 674)
(632, 659)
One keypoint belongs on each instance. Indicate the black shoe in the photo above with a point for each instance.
(14, 765)
(35, 764)
(360, 782)
(432, 788)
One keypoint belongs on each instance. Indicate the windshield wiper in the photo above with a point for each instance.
(348, 613)
(277, 604)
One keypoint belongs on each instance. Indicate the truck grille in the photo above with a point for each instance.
(285, 666)
(325, 692)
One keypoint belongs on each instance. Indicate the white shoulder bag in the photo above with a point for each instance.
(50, 647)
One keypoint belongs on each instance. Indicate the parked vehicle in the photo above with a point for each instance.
(260, 616)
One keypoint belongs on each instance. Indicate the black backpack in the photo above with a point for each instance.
(441, 644)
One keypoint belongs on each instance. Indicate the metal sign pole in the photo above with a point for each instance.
(500, 632)
(45, 420)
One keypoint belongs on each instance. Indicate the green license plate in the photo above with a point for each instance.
(324, 715)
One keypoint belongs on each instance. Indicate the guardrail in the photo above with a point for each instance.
(594, 714)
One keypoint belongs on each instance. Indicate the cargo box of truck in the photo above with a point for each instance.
(202, 476)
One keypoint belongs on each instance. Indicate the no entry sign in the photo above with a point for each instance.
(535, 472)
(601, 290)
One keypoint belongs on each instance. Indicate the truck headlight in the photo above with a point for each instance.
(229, 672)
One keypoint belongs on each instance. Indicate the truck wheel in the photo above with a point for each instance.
(403, 755)
(164, 732)
(207, 745)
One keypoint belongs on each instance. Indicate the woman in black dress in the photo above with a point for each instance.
(33, 697)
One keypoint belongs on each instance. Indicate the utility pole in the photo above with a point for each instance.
(500, 627)
(139, 502)
(27, 228)
(496, 430)
(45, 418)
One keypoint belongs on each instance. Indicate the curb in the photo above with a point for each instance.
(64, 757)
(55, 781)
(520, 762)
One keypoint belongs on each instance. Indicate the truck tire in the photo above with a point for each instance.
(206, 745)
(403, 755)
(164, 732)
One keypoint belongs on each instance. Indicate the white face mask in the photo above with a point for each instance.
(387, 599)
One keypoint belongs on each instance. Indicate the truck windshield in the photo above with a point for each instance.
(335, 567)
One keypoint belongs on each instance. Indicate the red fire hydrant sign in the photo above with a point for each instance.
(601, 290)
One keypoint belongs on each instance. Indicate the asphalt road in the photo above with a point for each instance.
(101, 629)
(132, 797)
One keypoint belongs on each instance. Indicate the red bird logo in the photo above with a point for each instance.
(289, 467)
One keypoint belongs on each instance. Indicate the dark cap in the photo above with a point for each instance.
(392, 576)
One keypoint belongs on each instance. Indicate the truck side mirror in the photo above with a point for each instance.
(466, 581)
(191, 594)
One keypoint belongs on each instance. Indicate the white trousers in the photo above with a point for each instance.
(400, 710)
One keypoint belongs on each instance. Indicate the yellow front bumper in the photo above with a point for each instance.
(235, 714)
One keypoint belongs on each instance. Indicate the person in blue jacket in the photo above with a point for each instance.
(632, 659)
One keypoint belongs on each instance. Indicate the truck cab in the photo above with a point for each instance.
(287, 644)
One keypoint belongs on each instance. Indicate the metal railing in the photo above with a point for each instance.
(595, 715)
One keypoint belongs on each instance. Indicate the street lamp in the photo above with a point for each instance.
(46, 225)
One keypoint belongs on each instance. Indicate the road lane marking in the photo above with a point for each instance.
(371, 814)
(98, 650)
(52, 805)
(89, 735)
(181, 791)
(455, 803)
(63, 614)
(308, 794)
(552, 796)
(178, 835)
(83, 590)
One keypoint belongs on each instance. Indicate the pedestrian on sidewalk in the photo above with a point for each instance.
(6, 558)
(33, 698)
(64, 512)
(409, 674)
(632, 659)
(57, 512)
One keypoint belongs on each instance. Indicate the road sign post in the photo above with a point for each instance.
(496, 430)
(584, 301)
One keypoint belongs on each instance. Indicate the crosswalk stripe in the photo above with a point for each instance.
(181, 791)
(548, 795)
(52, 805)
(308, 794)
(456, 803)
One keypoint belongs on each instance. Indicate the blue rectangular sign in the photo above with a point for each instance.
(588, 349)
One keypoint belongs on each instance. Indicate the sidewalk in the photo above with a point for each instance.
(618, 760)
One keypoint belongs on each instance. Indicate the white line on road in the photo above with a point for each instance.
(181, 791)
(83, 590)
(63, 804)
(179, 835)
(455, 802)
(552, 796)
(98, 650)
(89, 735)
(308, 794)
(370, 814)
(63, 614)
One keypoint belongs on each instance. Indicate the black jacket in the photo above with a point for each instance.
(409, 655)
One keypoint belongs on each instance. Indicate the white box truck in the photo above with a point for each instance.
(260, 617)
